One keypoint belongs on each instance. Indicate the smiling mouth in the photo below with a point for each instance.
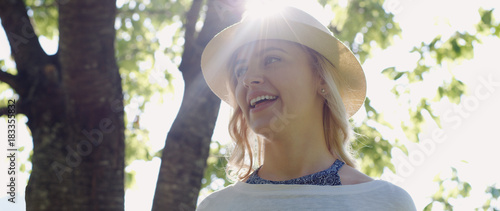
(261, 99)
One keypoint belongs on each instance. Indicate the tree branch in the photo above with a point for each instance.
(9, 79)
(220, 14)
(189, 36)
(191, 18)
(25, 47)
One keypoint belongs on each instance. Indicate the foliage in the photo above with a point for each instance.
(436, 54)
(44, 17)
(138, 24)
(372, 149)
(453, 188)
(215, 170)
(494, 195)
(433, 55)
(488, 25)
(445, 193)
(363, 25)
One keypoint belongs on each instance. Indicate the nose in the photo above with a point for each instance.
(252, 77)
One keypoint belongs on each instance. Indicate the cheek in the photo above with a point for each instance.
(300, 89)
(240, 96)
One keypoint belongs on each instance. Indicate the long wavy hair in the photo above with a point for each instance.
(247, 146)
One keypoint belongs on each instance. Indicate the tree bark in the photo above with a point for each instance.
(74, 104)
(187, 145)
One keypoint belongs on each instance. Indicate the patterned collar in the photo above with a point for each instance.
(326, 177)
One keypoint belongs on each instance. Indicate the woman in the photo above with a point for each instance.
(293, 87)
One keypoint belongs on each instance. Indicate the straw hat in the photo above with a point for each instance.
(290, 24)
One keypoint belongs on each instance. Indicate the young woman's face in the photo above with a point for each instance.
(276, 87)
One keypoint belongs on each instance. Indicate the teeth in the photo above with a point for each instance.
(259, 98)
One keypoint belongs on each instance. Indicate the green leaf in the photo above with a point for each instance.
(495, 192)
(486, 16)
(398, 75)
(392, 74)
(428, 207)
(130, 179)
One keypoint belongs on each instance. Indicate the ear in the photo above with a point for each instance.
(322, 91)
(322, 87)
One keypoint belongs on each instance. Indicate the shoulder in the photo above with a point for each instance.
(392, 196)
(376, 195)
(214, 198)
(351, 176)
(219, 200)
(382, 192)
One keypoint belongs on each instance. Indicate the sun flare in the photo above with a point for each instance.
(260, 8)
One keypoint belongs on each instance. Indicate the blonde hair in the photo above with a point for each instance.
(247, 146)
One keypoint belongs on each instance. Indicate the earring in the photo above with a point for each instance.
(322, 90)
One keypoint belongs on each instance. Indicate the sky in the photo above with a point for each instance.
(467, 139)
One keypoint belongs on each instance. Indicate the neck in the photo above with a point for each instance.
(294, 154)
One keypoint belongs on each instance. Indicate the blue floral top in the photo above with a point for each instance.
(329, 177)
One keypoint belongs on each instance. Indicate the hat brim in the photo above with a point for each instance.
(217, 53)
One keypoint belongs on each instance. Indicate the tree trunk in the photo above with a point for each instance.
(74, 104)
(187, 145)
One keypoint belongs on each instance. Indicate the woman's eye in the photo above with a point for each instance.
(240, 71)
(271, 59)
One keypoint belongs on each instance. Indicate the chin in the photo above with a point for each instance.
(265, 130)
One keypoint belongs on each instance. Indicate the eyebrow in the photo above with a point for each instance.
(240, 61)
(270, 49)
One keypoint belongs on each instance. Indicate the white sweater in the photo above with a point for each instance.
(373, 195)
